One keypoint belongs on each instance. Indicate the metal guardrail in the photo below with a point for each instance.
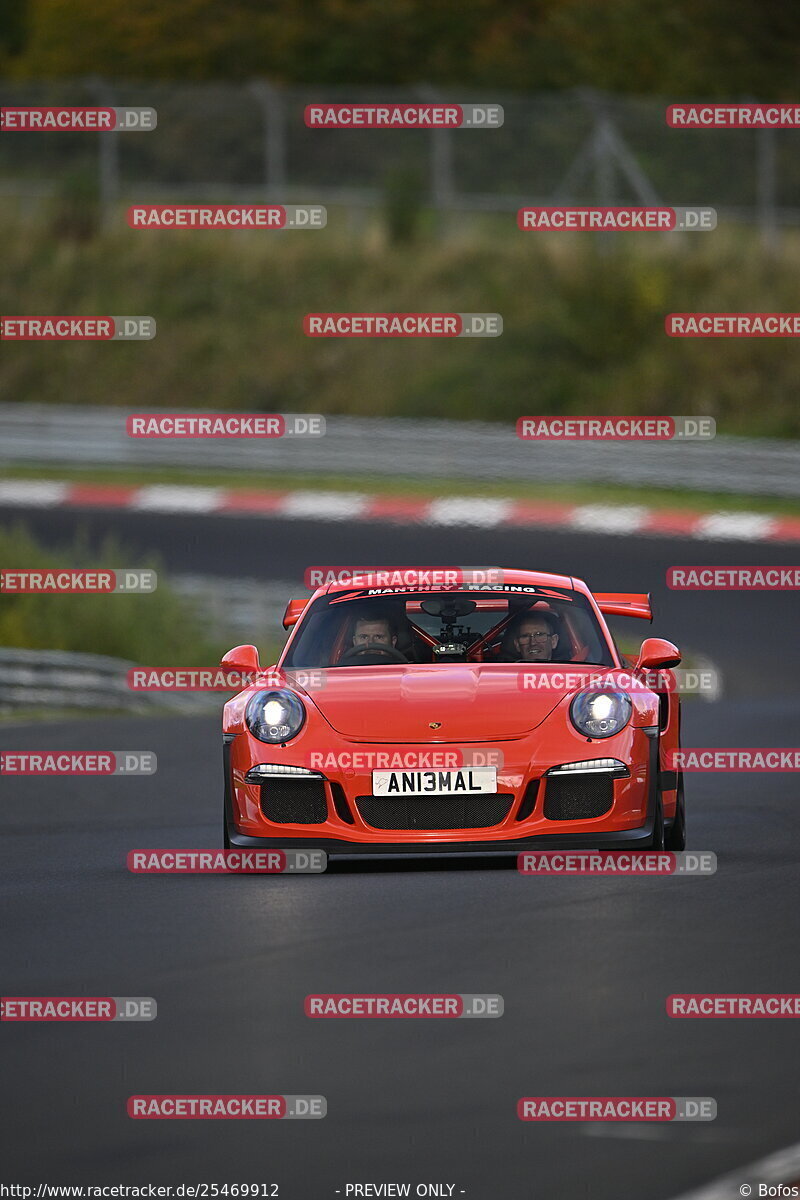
(240, 607)
(57, 679)
(246, 609)
(78, 436)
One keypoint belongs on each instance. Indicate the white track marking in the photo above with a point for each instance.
(463, 510)
(164, 498)
(745, 526)
(33, 493)
(326, 506)
(610, 518)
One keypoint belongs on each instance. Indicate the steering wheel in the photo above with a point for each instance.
(381, 654)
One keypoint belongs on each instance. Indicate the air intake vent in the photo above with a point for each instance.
(528, 800)
(578, 797)
(293, 800)
(340, 803)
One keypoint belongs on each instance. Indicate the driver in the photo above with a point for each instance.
(535, 638)
(374, 631)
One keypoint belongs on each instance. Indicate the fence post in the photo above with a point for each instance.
(442, 168)
(273, 110)
(604, 167)
(766, 187)
(441, 160)
(108, 155)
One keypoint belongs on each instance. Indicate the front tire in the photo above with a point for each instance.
(657, 841)
(676, 837)
(226, 841)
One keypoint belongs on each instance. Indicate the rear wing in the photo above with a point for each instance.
(294, 611)
(625, 604)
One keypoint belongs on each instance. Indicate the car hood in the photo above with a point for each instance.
(464, 703)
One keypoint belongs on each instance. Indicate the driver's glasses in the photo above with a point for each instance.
(541, 636)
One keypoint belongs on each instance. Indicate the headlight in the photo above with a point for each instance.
(600, 714)
(274, 716)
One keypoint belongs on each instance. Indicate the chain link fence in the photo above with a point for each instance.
(225, 142)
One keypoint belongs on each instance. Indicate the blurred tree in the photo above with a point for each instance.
(706, 48)
(13, 26)
(176, 39)
(703, 48)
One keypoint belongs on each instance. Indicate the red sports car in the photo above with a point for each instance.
(479, 718)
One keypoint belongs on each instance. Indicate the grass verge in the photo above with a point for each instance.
(583, 328)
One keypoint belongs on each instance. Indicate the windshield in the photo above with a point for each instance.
(525, 625)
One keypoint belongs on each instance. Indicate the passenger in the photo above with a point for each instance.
(535, 638)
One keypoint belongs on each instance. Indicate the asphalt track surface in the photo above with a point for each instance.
(584, 965)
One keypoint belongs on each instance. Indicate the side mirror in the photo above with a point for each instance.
(294, 611)
(656, 653)
(242, 658)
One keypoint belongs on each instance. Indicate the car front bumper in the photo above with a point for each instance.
(627, 825)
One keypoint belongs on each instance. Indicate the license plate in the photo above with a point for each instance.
(467, 780)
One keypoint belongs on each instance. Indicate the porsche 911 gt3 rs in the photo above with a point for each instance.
(471, 719)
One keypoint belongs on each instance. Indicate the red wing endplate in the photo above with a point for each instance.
(625, 604)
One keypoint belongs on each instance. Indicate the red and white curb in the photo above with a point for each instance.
(484, 512)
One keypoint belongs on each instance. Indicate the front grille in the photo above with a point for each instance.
(294, 800)
(575, 799)
(434, 812)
